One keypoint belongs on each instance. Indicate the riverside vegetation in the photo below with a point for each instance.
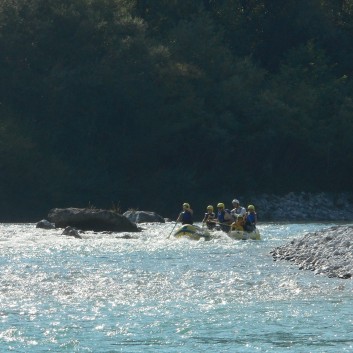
(153, 103)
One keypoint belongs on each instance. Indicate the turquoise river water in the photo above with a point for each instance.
(154, 294)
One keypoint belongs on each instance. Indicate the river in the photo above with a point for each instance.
(154, 294)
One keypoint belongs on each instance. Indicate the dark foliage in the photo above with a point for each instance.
(148, 104)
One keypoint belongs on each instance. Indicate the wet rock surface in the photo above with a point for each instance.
(91, 219)
(72, 232)
(328, 252)
(44, 224)
(143, 217)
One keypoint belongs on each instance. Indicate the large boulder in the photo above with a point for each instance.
(91, 219)
(144, 217)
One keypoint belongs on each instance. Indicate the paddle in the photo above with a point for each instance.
(176, 222)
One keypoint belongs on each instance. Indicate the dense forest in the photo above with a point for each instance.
(147, 104)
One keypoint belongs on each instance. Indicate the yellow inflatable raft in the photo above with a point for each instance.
(242, 235)
(192, 232)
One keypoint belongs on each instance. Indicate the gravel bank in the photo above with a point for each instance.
(328, 252)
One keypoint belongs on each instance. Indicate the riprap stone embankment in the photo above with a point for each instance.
(304, 207)
(328, 252)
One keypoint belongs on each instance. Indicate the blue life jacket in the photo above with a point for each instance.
(251, 218)
(186, 217)
(220, 215)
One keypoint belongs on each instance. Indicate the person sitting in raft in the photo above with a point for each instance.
(209, 217)
(250, 219)
(237, 209)
(185, 217)
(239, 223)
(224, 217)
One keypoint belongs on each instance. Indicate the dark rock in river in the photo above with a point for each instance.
(72, 232)
(45, 224)
(126, 236)
(328, 252)
(144, 217)
(91, 219)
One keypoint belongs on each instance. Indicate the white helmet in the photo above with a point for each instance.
(235, 201)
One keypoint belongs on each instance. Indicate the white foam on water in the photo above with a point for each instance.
(155, 292)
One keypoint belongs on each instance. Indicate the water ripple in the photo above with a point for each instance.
(103, 294)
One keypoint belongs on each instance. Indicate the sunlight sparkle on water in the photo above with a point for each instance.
(158, 293)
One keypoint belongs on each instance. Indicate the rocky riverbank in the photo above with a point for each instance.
(328, 252)
(304, 207)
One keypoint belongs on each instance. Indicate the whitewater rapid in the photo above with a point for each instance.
(103, 293)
